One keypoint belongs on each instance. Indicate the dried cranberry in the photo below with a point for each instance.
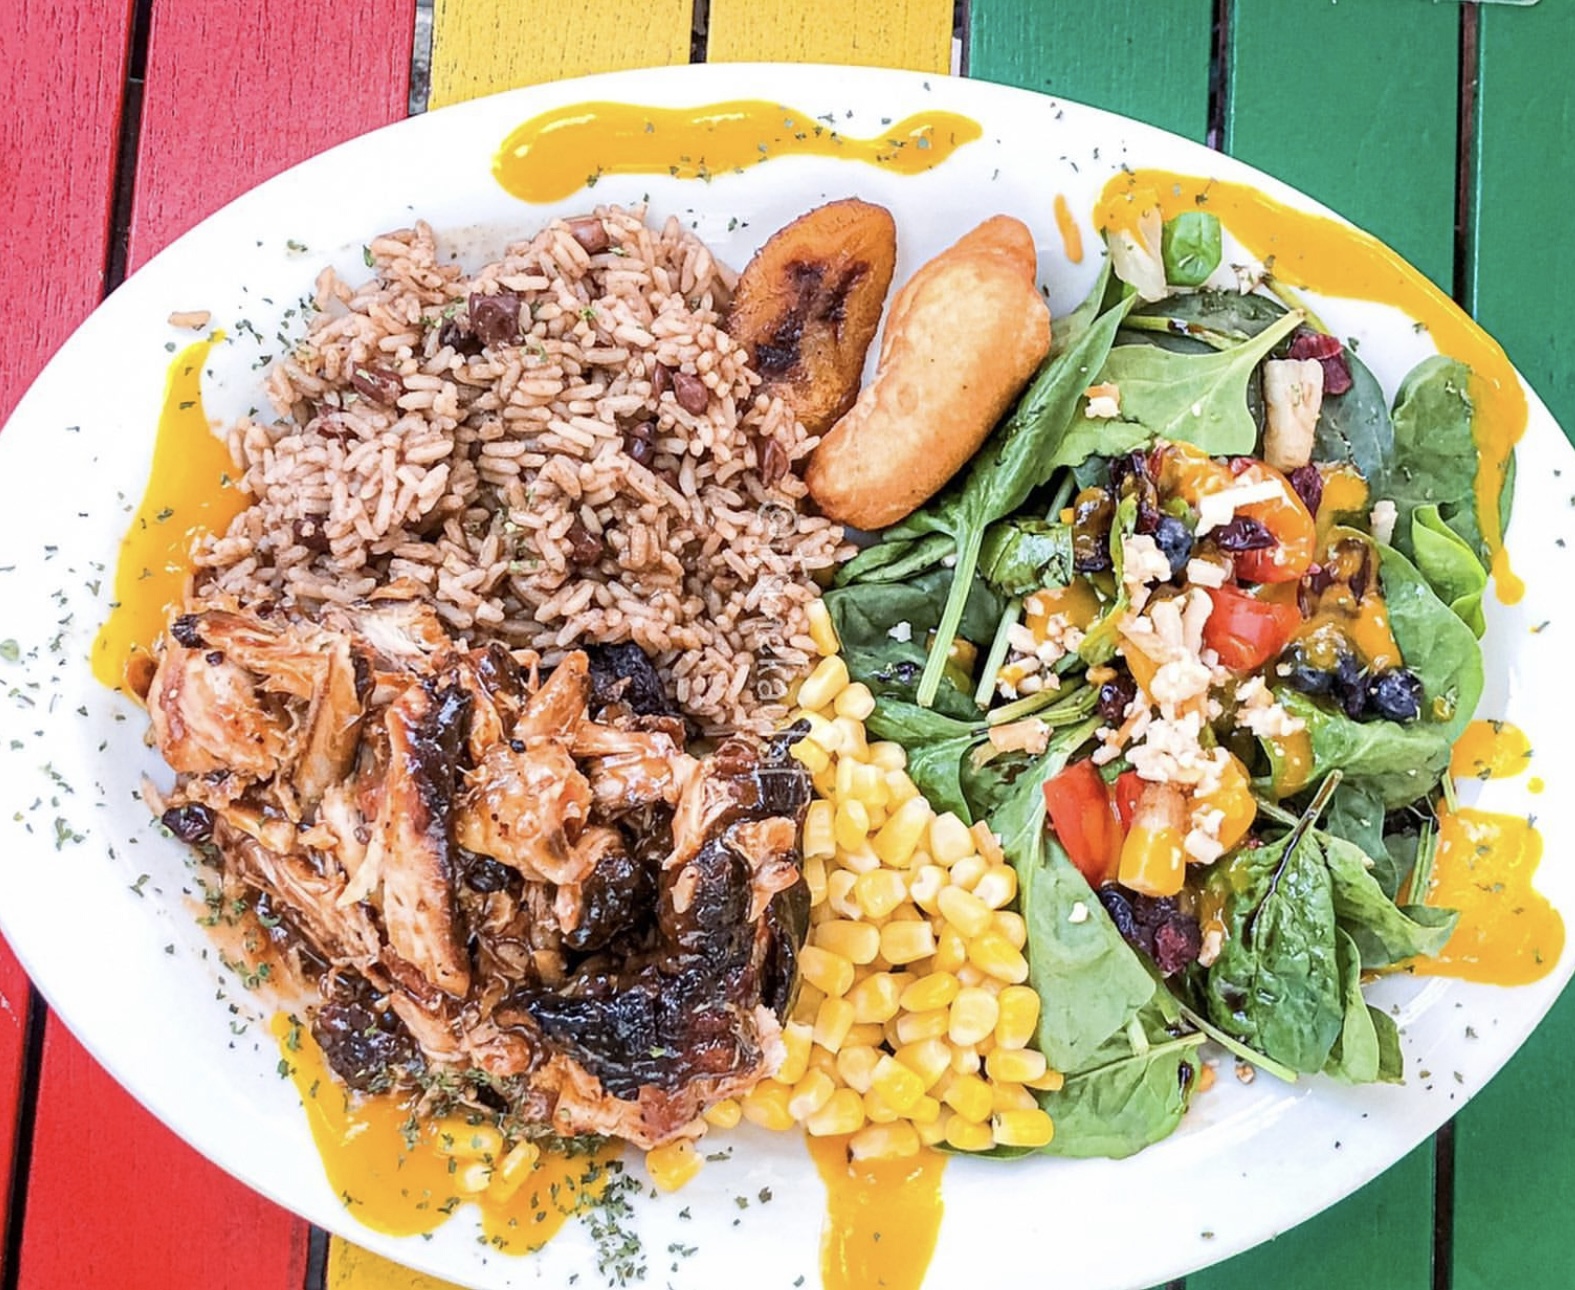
(377, 383)
(691, 393)
(1330, 354)
(496, 318)
(1243, 533)
(585, 547)
(1308, 483)
(590, 234)
(192, 822)
(1093, 512)
(1177, 942)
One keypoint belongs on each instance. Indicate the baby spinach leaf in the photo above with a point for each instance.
(1106, 291)
(1021, 556)
(936, 745)
(1434, 643)
(1357, 815)
(1276, 982)
(1190, 247)
(1199, 399)
(1395, 763)
(1368, 1047)
(1355, 426)
(1383, 933)
(1435, 456)
(1450, 566)
(1201, 321)
(1099, 642)
(895, 561)
(1118, 1108)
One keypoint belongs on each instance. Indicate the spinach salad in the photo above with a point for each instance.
(1194, 633)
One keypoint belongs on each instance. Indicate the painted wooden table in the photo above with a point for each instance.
(1446, 128)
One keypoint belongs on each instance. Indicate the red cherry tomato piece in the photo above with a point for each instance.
(1124, 794)
(1078, 803)
(1247, 632)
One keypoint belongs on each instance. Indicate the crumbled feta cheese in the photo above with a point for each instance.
(1142, 563)
(1257, 711)
(1383, 517)
(1078, 913)
(1020, 638)
(1205, 573)
(1180, 681)
(1104, 402)
(901, 631)
(1249, 276)
(1218, 509)
(1292, 396)
(1202, 848)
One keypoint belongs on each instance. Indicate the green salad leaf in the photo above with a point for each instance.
(1129, 1102)
(936, 745)
(1190, 246)
(1022, 556)
(1367, 1049)
(1450, 566)
(1382, 933)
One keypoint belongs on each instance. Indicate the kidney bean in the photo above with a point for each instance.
(691, 393)
(591, 234)
(496, 318)
(377, 383)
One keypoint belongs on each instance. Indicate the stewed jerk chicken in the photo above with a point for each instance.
(491, 867)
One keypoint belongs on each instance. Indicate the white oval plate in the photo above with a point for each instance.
(122, 960)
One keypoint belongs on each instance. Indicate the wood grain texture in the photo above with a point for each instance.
(1379, 1238)
(238, 91)
(63, 64)
(1525, 176)
(483, 46)
(1316, 96)
(115, 1200)
(916, 34)
(1146, 58)
(352, 1268)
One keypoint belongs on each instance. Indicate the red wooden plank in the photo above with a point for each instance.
(237, 92)
(116, 1200)
(234, 93)
(62, 63)
(13, 1038)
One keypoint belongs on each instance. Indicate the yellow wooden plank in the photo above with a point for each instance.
(870, 33)
(352, 1268)
(483, 46)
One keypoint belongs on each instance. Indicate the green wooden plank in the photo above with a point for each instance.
(1356, 104)
(1379, 1238)
(1525, 178)
(1148, 59)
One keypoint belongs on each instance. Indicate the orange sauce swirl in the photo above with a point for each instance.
(882, 1220)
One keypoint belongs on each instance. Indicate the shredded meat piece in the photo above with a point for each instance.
(495, 868)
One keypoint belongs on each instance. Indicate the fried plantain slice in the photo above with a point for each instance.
(807, 306)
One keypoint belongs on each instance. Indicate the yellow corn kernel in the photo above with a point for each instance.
(828, 679)
(971, 976)
(847, 767)
(725, 1114)
(989, 845)
(513, 1170)
(852, 824)
(900, 787)
(895, 1141)
(1010, 1097)
(874, 999)
(467, 1141)
(855, 702)
(1011, 926)
(472, 1176)
(966, 1061)
(824, 781)
(872, 1033)
(1019, 1005)
(998, 886)
(821, 733)
(1023, 1128)
(1015, 1065)
(813, 757)
(965, 873)
(673, 1165)
(933, 1132)
(855, 742)
(877, 1110)
(839, 893)
(810, 1094)
(905, 942)
(858, 943)
(936, 990)
(797, 1039)
(821, 629)
(950, 839)
(969, 1096)
(951, 950)
(877, 814)
(828, 972)
(973, 1015)
(926, 1111)
(888, 755)
(964, 911)
(879, 892)
(900, 836)
(815, 880)
(807, 1005)
(856, 1066)
(820, 833)
(929, 1059)
(928, 879)
(995, 955)
(766, 1105)
(843, 1113)
(821, 1060)
(832, 1023)
(858, 860)
(968, 1135)
(1052, 1081)
(897, 1086)
(914, 1026)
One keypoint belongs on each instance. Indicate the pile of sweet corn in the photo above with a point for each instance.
(913, 1021)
